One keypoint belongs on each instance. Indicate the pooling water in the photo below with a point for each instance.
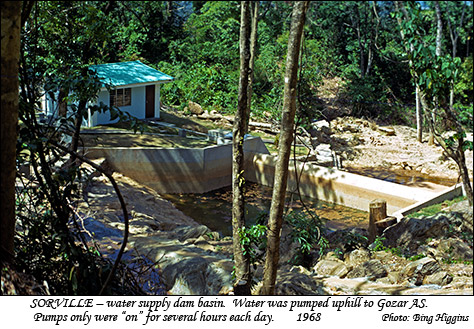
(214, 209)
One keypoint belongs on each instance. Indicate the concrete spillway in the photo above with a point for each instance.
(177, 170)
(344, 188)
(201, 170)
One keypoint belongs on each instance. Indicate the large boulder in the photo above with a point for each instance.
(410, 233)
(455, 249)
(324, 155)
(372, 269)
(465, 212)
(191, 232)
(196, 276)
(195, 108)
(387, 131)
(298, 284)
(320, 132)
(331, 267)
(417, 271)
(441, 278)
(357, 257)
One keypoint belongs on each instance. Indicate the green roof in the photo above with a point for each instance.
(129, 73)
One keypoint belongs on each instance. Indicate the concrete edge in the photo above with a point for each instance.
(340, 187)
(450, 193)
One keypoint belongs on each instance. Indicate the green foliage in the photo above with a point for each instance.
(252, 240)
(305, 230)
(208, 86)
(352, 240)
(213, 35)
(436, 208)
(378, 245)
(463, 86)
(323, 245)
(457, 261)
(365, 94)
(416, 257)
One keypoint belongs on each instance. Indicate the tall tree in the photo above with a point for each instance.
(434, 75)
(410, 48)
(366, 26)
(241, 259)
(286, 138)
(253, 51)
(439, 39)
(454, 31)
(11, 25)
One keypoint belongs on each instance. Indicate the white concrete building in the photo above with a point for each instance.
(134, 88)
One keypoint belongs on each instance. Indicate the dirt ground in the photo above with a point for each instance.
(368, 149)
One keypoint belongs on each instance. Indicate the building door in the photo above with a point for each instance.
(150, 101)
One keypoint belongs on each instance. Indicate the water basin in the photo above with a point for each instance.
(214, 209)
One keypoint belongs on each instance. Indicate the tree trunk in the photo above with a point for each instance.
(373, 41)
(11, 25)
(419, 115)
(242, 262)
(286, 137)
(454, 35)
(457, 154)
(439, 37)
(81, 109)
(77, 131)
(253, 51)
(62, 103)
(439, 28)
(461, 162)
(420, 109)
(359, 39)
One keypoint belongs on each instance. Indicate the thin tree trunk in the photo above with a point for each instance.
(62, 103)
(454, 35)
(439, 28)
(419, 115)
(359, 39)
(457, 154)
(253, 51)
(286, 138)
(11, 25)
(373, 43)
(464, 171)
(439, 37)
(77, 130)
(420, 107)
(242, 262)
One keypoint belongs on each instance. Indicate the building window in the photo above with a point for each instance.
(121, 97)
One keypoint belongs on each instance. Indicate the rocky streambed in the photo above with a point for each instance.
(431, 255)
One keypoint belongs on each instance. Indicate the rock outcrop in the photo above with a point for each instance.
(195, 108)
(192, 260)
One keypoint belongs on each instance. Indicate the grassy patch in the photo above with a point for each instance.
(436, 208)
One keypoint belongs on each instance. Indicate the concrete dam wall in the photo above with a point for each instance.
(177, 170)
(201, 170)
